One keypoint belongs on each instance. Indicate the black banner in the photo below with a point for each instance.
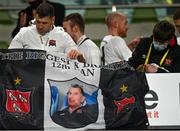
(22, 88)
(123, 92)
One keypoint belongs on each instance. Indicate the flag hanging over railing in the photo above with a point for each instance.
(123, 92)
(22, 89)
(71, 93)
(48, 91)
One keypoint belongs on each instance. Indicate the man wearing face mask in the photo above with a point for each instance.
(158, 53)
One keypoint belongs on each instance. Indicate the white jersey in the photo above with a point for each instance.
(114, 49)
(90, 51)
(54, 41)
(178, 40)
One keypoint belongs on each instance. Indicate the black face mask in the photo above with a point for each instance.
(34, 4)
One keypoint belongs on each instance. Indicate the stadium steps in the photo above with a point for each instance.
(144, 15)
(5, 18)
(3, 45)
(95, 15)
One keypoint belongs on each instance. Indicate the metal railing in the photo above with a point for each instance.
(68, 7)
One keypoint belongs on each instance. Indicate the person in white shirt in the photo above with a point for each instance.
(176, 18)
(113, 46)
(74, 25)
(45, 36)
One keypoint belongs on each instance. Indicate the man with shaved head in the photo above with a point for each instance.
(113, 46)
(117, 24)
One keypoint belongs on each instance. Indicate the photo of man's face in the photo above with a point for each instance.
(75, 98)
(73, 103)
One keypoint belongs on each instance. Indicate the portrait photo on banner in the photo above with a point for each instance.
(73, 103)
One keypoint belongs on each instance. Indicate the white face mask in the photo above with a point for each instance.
(159, 46)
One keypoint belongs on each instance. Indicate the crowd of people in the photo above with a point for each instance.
(159, 52)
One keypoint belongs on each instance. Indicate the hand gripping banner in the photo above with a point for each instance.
(60, 93)
(48, 91)
(71, 93)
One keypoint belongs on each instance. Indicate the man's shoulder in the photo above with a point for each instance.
(117, 40)
(178, 40)
(88, 42)
(113, 39)
(107, 37)
(59, 32)
(58, 29)
(62, 112)
(110, 38)
(176, 48)
(28, 29)
(150, 39)
(105, 40)
(145, 42)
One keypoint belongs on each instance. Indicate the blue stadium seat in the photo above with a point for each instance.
(54, 99)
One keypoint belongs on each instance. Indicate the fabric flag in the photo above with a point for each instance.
(40, 90)
(123, 92)
(22, 88)
(66, 108)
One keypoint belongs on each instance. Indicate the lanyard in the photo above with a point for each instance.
(162, 59)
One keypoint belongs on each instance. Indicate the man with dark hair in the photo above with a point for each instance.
(158, 53)
(74, 25)
(78, 113)
(28, 14)
(176, 18)
(44, 35)
(75, 98)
